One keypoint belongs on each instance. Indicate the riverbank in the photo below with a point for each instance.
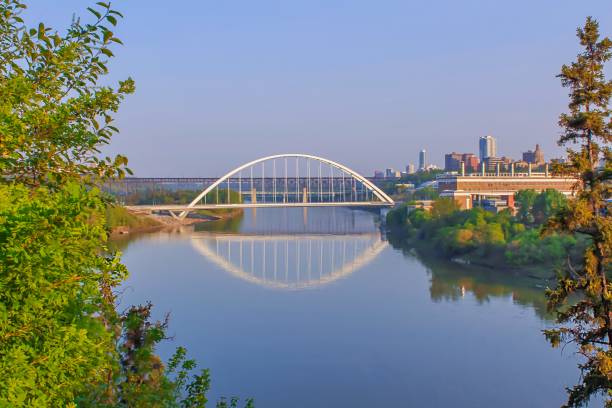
(121, 221)
(506, 241)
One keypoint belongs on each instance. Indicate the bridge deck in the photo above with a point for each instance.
(182, 207)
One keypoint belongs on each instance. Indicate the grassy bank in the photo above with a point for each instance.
(119, 219)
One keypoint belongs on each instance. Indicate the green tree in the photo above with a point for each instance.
(587, 323)
(53, 338)
(524, 200)
(547, 204)
(443, 207)
(54, 114)
(62, 342)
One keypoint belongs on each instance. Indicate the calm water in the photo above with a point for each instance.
(315, 309)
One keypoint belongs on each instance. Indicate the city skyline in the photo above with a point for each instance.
(472, 159)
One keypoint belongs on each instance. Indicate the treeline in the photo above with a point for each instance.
(485, 237)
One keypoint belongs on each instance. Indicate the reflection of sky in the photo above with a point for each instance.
(335, 221)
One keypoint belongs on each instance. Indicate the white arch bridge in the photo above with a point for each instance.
(283, 180)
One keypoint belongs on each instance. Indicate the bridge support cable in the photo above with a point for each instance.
(308, 184)
(320, 184)
(274, 179)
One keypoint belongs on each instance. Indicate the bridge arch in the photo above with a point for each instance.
(381, 195)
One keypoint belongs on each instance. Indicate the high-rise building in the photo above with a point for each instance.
(422, 159)
(487, 147)
(389, 173)
(471, 162)
(535, 157)
(410, 169)
(452, 161)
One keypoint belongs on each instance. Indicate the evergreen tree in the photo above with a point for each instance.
(588, 131)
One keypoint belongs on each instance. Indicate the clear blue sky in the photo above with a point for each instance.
(365, 83)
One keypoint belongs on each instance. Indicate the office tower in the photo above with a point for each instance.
(422, 159)
(487, 147)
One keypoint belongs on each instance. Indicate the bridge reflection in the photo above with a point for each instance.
(291, 262)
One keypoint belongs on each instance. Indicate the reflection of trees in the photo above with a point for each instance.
(451, 281)
(122, 242)
(226, 224)
(230, 224)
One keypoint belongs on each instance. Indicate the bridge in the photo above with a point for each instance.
(283, 180)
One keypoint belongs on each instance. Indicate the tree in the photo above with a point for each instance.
(524, 200)
(588, 128)
(548, 203)
(54, 114)
(443, 207)
(62, 341)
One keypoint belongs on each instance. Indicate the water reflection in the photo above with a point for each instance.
(451, 281)
(384, 331)
(284, 261)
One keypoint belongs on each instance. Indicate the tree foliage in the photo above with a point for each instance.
(53, 340)
(588, 131)
(490, 237)
(62, 341)
(54, 113)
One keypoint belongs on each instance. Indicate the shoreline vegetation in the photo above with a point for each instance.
(120, 220)
(501, 241)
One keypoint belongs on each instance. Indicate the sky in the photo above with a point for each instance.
(364, 83)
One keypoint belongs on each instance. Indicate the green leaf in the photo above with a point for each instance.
(95, 12)
(107, 52)
(111, 20)
(41, 31)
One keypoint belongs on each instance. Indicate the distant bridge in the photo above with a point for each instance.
(297, 180)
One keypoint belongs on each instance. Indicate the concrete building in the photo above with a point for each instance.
(410, 169)
(487, 147)
(493, 164)
(452, 161)
(534, 157)
(479, 189)
(422, 159)
(389, 173)
(470, 161)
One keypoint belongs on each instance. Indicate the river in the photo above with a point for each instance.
(313, 308)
